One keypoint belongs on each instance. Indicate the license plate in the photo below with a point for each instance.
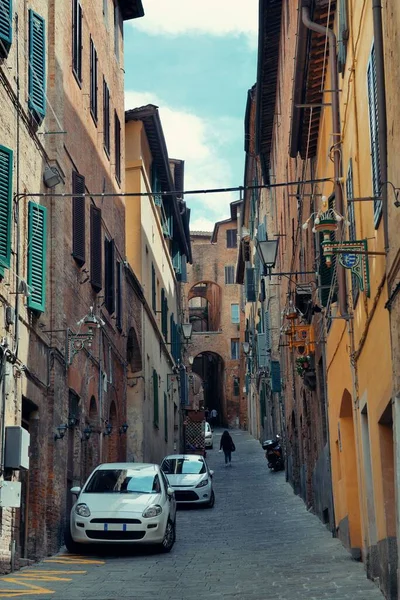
(106, 527)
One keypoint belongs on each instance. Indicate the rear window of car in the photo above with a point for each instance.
(123, 481)
(183, 466)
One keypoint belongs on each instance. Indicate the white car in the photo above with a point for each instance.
(124, 503)
(208, 434)
(190, 478)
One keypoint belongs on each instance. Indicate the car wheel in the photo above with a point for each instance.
(72, 547)
(169, 537)
(212, 500)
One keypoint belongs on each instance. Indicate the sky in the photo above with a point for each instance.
(196, 61)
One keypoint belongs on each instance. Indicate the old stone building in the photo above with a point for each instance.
(68, 297)
(213, 306)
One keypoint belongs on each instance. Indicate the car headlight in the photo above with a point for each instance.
(152, 511)
(82, 510)
(202, 483)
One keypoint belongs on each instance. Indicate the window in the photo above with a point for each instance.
(153, 288)
(109, 275)
(229, 275)
(374, 135)
(236, 386)
(250, 284)
(165, 417)
(106, 117)
(116, 31)
(164, 314)
(117, 129)
(155, 398)
(37, 222)
(235, 349)
(231, 238)
(6, 173)
(5, 26)
(352, 226)
(118, 321)
(37, 67)
(95, 248)
(78, 219)
(235, 317)
(77, 40)
(156, 186)
(93, 81)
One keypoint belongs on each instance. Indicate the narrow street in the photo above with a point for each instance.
(258, 543)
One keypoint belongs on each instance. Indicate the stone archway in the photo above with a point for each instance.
(209, 366)
(204, 300)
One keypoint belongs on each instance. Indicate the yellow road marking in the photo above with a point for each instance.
(51, 572)
(29, 591)
(75, 561)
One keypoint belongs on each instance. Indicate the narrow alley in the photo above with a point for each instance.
(257, 543)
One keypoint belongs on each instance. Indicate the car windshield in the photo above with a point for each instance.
(123, 481)
(183, 466)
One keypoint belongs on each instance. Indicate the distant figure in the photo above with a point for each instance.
(206, 414)
(227, 446)
(213, 415)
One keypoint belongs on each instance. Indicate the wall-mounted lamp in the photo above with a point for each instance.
(72, 421)
(187, 331)
(61, 432)
(87, 432)
(246, 347)
(108, 429)
(268, 252)
(123, 428)
(51, 177)
(191, 360)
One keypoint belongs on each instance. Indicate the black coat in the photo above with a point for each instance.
(227, 444)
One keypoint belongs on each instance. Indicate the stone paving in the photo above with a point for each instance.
(257, 543)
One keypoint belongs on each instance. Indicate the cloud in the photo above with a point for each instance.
(204, 145)
(213, 17)
(202, 224)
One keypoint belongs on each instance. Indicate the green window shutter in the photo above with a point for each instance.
(153, 288)
(267, 328)
(275, 376)
(374, 134)
(37, 222)
(155, 398)
(166, 417)
(176, 258)
(262, 350)
(6, 172)
(250, 285)
(5, 26)
(156, 186)
(37, 66)
(184, 269)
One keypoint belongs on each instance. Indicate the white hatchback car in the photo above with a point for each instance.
(190, 478)
(208, 435)
(124, 503)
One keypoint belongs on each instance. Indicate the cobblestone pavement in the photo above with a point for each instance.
(257, 543)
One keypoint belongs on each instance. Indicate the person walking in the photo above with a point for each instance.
(213, 415)
(227, 446)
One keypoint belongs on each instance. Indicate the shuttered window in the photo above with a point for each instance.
(235, 317)
(37, 228)
(165, 417)
(374, 135)
(267, 329)
(156, 186)
(5, 26)
(155, 398)
(355, 288)
(276, 385)
(118, 321)
(235, 349)
(93, 81)
(229, 275)
(250, 285)
(184, 269)
(37, 67)
(231, 238)
(262, 355)
(117, 130)
(153, 288)
(109, 275)
(95, 248)
(106, 118)
(6, 172)
(164, 314)
(77, 39)
(78, 219)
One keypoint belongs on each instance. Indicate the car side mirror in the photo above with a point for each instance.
(76, 490)
(170, 492)
(211, 473)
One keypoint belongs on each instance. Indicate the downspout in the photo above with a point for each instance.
(382, 119)
(336, 133)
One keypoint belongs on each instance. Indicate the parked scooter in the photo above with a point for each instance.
(274, 454)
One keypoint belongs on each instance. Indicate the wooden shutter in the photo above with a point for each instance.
(163, 316)
(106, 117)
(184, 269)
(109, 275)
(37, 66)
(37, 225)
(276, 376)
(374, 134)
(78, 219)
(262, 349)
(6, 172)
(95, 248)
(267, 329)
(5, 26)
(93, 81)
(153, 288)
(165, 417)
(77, 39)
(250, 285)
(155, 398)
(117, 130)
(118, 321)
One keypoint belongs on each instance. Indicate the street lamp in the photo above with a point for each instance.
(61, 431)
(123, 428)
(187, 331)
(191, 360)
(78, 341)
(87, 432)
(267, 251)
(246, 348)
(108, 429)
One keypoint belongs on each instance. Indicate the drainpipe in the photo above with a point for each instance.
(336, 133)
(381, 97)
